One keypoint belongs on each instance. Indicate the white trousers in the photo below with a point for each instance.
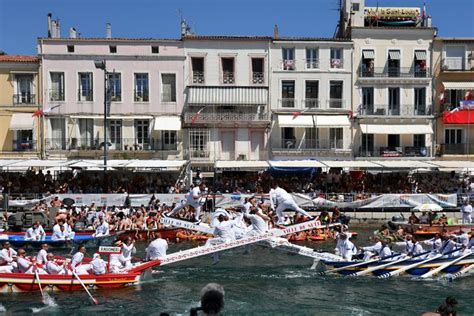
(466, 218)
(288, 205)
(180, 206)
(83, 269)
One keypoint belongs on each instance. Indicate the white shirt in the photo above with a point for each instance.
(53, 268)
(7, 255)
(346, 248)
(375, 248)
(98, 266)
(157, 249)
(34, 233)
(417, 249)
(102, 229)
(194, 196)
(58, 234)
(466, 209)
(77, 259)
(279, 196)
(259, 225)
(463, 239)
(23, 264)
(436, 244)
(224, 230)
(385, 252)
(448, 246)
(128, 251)
(42, 256)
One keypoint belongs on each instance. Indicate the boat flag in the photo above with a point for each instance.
(195, 116)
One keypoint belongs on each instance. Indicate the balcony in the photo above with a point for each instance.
(457, 149)
(394, 72)
(336, 104)
(337, 63)
(228, 77)
(116, 96)
(310, 104)
(56, 95)
(198, 77)
(457, 64)
(310, 147)
(287, 103)
(399, 110)
(312, 63)
(216, 117)
(258, 78)
(23, 145)
(387, 151)
(208, 155)
(141, 96)
(114, 144)
(288, 64)
(84, 95)
(24, 98)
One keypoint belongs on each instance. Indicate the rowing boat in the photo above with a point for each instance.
(418, 270)
(17, 239)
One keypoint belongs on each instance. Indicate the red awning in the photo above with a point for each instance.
(459, 117)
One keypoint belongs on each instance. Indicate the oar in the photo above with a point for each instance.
(414, 265)
(461, 272)
(443, 266)
(369, 270)
(357, 264)
(96, 302)
(39, 283)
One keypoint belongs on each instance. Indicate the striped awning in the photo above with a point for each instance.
(368, 54)
(228, 95)
(394, 54)
(458, 85)
(420, 55)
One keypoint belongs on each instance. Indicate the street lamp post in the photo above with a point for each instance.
(101, 64)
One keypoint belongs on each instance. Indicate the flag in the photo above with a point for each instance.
(296, 114)
(423, 14)
(441, 98)
(195, 116)
(468, 95)
(38, 113)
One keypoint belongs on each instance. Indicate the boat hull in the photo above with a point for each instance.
(430, 230)
(17, 239)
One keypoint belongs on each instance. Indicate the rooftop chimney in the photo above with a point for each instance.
(72, 33)
(49, 24)
(108, 30)
(275, 31)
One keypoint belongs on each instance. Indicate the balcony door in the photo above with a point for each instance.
(367, 101)
(367, 145)
(228, 146)
(115, 133)
(257, 145)
(24, 92)
(86, 133)
(142, 128)
(394, 101)
(58, 134)
(288, 94)
(420, 101)
(288, 138)
(336, 138)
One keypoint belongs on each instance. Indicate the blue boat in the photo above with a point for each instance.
(17, 239)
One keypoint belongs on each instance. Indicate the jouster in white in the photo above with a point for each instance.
(156, 249)
(466, 211)
(193, 199)
(284, 201)
(76, 262)
(128, 250)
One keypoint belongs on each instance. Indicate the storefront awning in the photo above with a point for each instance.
(332, 120)
(168, 165)
(167, 123)
(349, 164)
(396, 129)
(228, 95)
(458, 85)
(241, 165)
(298, 121)
(394, 54)
(453, 164)
(403, 164)
(420, 55)
(368, 54)
(22, 121)
(296, 164)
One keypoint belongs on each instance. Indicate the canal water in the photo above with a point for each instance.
(262, 282)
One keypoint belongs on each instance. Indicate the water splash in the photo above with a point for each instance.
(2, 309)
(48, 300)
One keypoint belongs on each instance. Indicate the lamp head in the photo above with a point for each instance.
(100, 64)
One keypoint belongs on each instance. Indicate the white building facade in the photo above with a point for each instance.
(311, 98)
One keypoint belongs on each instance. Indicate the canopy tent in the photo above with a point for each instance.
(242, 165)
(36, 163)
(228, 95)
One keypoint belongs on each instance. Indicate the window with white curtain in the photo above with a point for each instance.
(168, 87)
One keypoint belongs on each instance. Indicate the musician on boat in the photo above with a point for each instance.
(281, 200)
(7, 258)
(35, 232)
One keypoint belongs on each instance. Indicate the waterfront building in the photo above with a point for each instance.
(145, 84)
(392, 80)
(20, 129)
(226, 111)
(311, 97)
(453, 60)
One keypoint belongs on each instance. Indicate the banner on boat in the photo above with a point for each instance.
(329, 200)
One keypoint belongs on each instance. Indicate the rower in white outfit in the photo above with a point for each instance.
(35, 232)
(417, 248)
(436, 243)
(284, 201)
(76, 262)
(156, 249)
(466, 211)
(98, 265)
(193, 198)
(371, 251)
(52, 267)
(8, 256)
(463, 238)
(385, 251)
(345, 248)
(42, 256)
(25, 265)
(449, 245)
(407, 244)
(102, 229)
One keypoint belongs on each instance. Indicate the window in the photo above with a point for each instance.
(288, 137)
(58, 134)
(420, 64)
(85, 86)
(453, 97)
(312, 59)
(115, 86)
(394, 101)
(394, 63)
(227, 70)
(453, 136)
(393, 140)
(142, 128)
(367, 149)
(197, 64)
(335, 95)
(115, 132)
(355, 7)
(455, 57)
(70, 48)
(86, 134)
(155, 49)
(288, 55)
(336, 138)
(258, 75)
(169, 140)
(311, 137)
(113, 49)
(24, 88)
(141, 87)
(367, 101)
(23, 140)
(288, 93)
(168, 87)
(419, 140)
(420, 101)
(312, 94)
(198, 140)
(368, 62)
(57, 86)
(337, 58)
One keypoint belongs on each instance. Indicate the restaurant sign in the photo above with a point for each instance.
(390, 13)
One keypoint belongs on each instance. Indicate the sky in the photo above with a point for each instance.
(22, 21)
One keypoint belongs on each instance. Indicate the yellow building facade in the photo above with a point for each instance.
(20, 98)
